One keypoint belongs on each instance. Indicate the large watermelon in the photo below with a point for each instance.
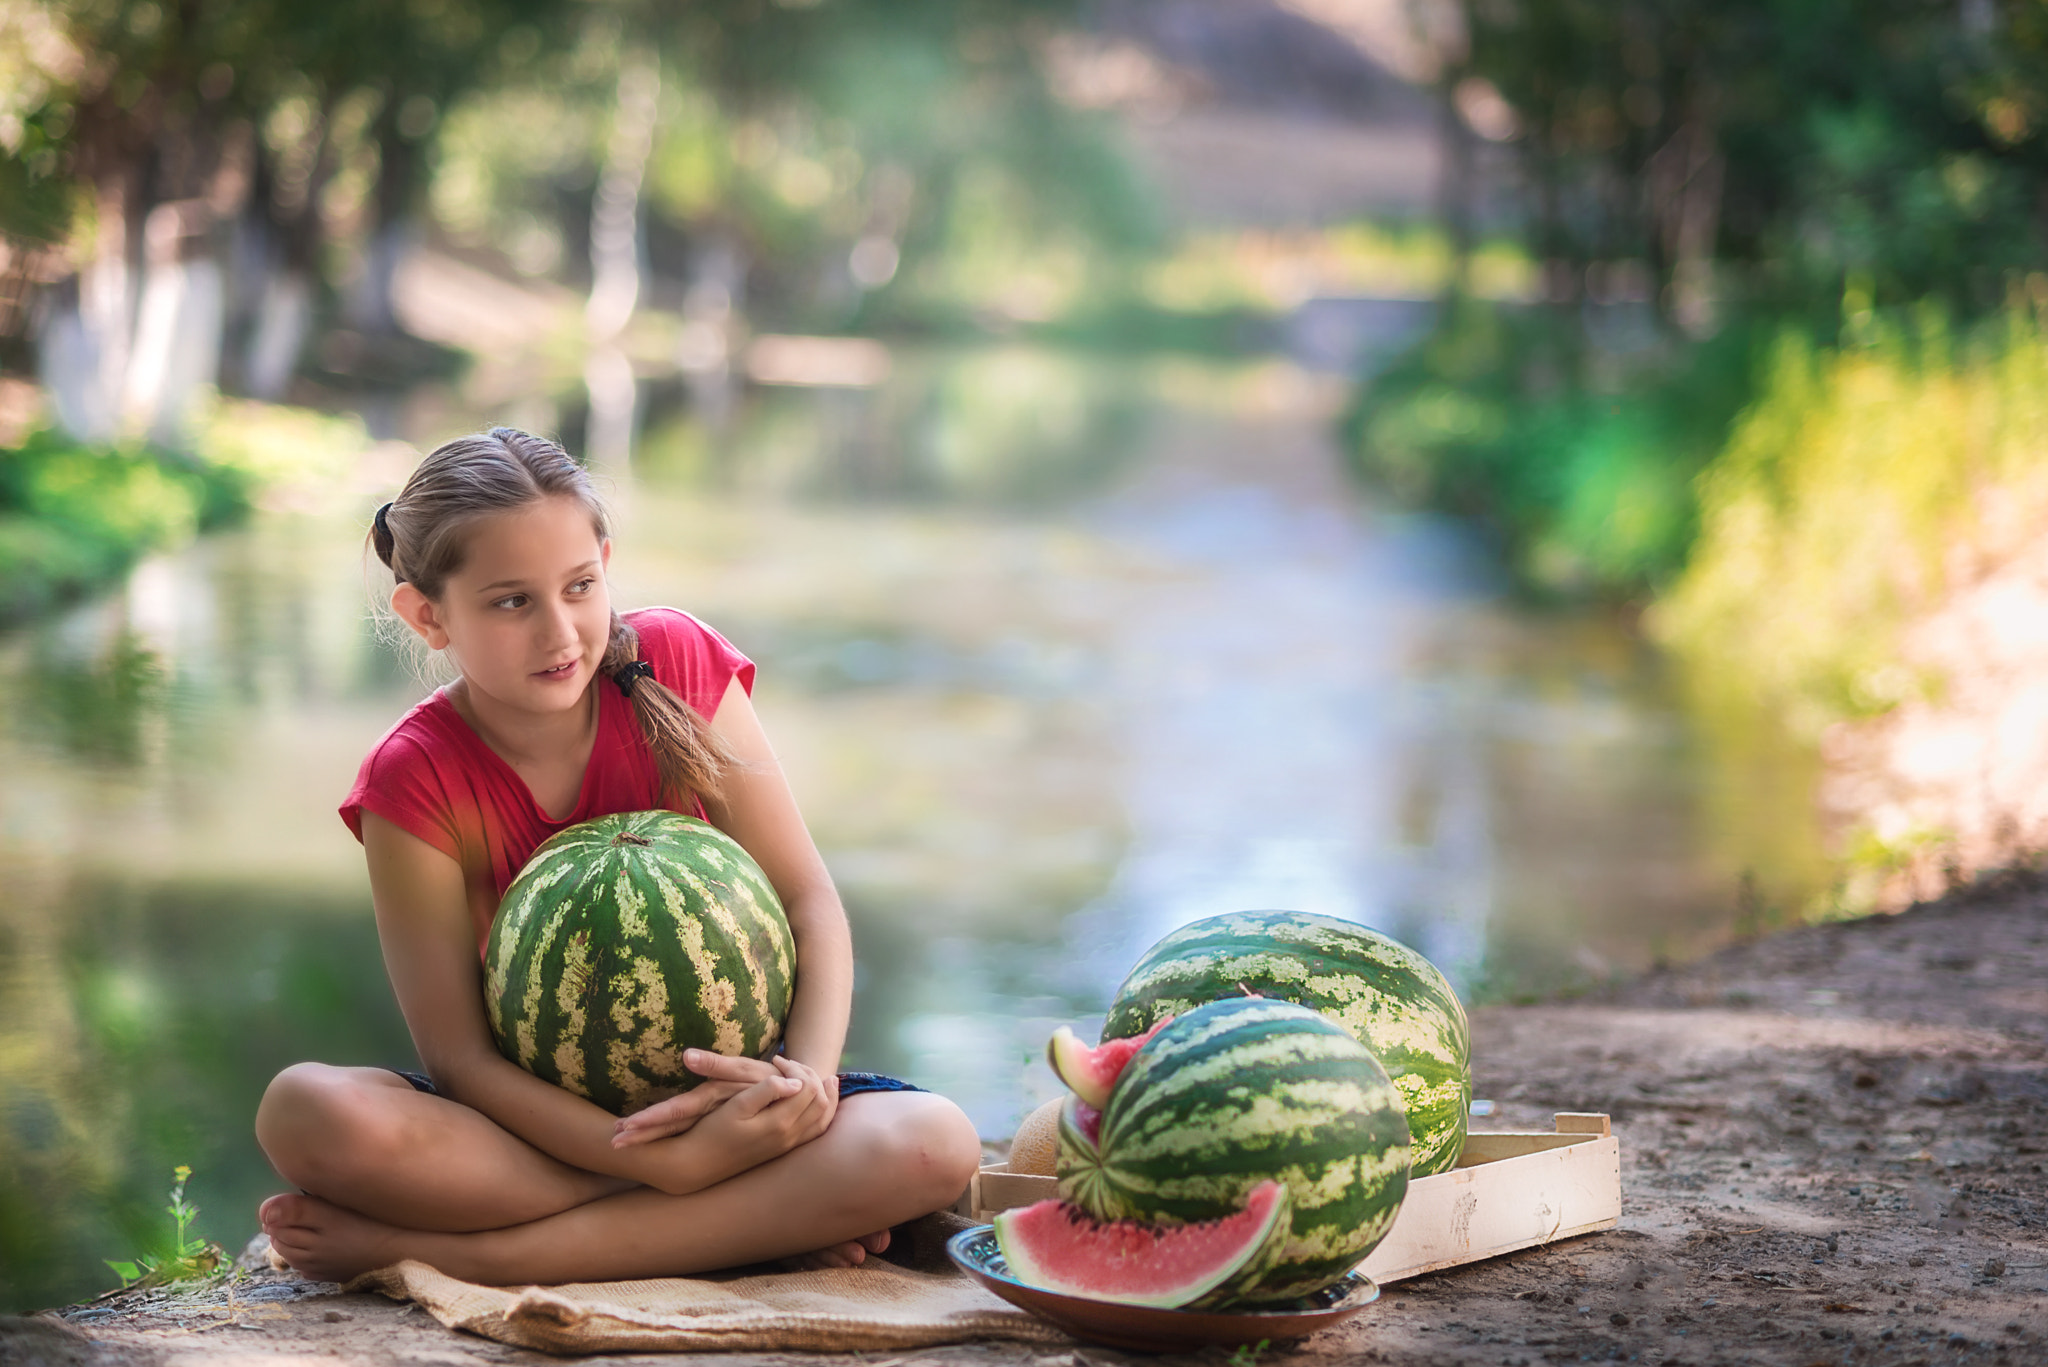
(625, 941)
(1388, 996)
(1233, 1094)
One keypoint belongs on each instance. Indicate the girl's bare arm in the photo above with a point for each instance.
(430, 953)
(758, 810)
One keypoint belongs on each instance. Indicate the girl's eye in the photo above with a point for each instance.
(517, 600)
(582, 586)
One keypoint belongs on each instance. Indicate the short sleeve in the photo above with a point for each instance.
(399, 782)
(694, 661)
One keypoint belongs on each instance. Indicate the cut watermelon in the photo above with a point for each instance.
(1080, 1124)
(1055, 1246)
(1090, 1073)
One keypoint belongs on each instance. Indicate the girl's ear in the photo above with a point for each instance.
(417, 611)
(604, 553)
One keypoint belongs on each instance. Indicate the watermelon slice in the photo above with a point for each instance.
(1090, 1073)
(1055, 1246)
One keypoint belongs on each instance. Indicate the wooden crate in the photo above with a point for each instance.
(1510, 1190)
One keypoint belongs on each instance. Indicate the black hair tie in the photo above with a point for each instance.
(625, 676)
(387, 546)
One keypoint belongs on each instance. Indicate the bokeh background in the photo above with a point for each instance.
(1557, 482)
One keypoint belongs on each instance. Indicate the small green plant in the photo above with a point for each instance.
(189, 1257)
(1247, 1354)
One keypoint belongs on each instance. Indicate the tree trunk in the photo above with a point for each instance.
(176, 347)
(284, 319)
(82, 351)
(614, 403)
(367, 305)
(615, 245)
(289, 233)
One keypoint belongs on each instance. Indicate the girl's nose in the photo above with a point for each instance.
(557, 627)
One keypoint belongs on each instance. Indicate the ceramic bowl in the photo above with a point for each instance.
(1148, 1329)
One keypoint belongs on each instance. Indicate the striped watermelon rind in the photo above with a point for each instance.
(1234, 1093)
(628, 939)
(1391, 998)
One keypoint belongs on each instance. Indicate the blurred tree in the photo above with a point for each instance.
(1728, 169)
(807, 161)
(1883, 146)
(218, 146)
(187, 168)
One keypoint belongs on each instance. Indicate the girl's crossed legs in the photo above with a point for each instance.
(397, 1173)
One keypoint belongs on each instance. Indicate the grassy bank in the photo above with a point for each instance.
(1782, 506)
(1851, 487)
(75, 517)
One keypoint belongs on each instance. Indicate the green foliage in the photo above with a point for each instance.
(185, 1257)
(788, 134)
(1587, 484)
(1828, 521)
(1248, 1354)
(72, 517)
(36, 202)
(147, 1036)
(1801, 141)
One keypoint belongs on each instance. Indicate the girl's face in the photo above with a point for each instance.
(527, 616)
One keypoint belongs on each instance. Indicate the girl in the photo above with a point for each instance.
(564, 711)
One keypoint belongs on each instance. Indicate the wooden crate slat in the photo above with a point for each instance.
(1493, 1208)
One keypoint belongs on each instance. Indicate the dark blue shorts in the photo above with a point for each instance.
(850, 1084)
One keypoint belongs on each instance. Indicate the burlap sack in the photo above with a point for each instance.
(879, 1305)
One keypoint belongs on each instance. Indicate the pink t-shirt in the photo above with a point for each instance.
(433, 776)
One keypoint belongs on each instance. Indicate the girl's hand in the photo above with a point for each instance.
(767, 1119)
(724, 1078)
(824, 1087)
(665, 1119)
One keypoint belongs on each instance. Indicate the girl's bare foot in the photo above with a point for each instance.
(325, 1243)
(852, 1253)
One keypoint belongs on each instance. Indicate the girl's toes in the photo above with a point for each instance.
(878, 1242)
(849, 1254)
(284, 1209)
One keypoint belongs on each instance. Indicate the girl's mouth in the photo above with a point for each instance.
(560, 671)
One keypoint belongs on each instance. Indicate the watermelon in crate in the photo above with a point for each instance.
(1392, 999)
(628, 939)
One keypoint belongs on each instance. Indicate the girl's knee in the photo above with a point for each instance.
(293, 1098)
(318, 1125)
(929, 1149)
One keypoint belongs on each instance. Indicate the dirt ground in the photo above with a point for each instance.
(1832, 1149)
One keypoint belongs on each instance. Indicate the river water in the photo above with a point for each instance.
(1059, 652)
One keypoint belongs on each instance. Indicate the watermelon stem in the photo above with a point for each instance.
(628, 838)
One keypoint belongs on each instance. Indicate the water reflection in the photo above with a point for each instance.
(1011, 428)
(1059, 654)
(98, 710)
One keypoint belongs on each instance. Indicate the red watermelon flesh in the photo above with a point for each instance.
(1090, 1073)
(1055, 1246)
(1082, 1122)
